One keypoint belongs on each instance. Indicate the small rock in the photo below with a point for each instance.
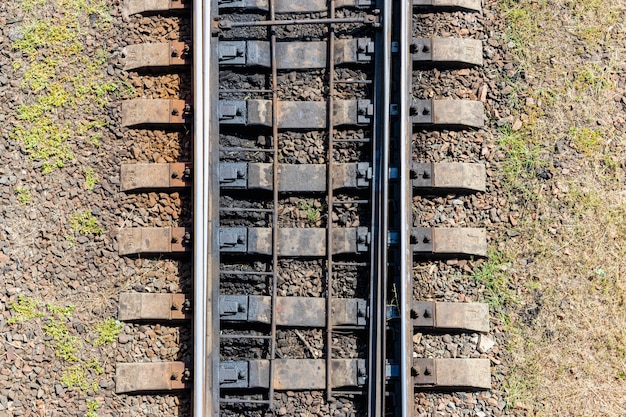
(124, 338)
(485, 343)
(517, 125)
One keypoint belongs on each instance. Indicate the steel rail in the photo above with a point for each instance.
(329, 186)
(406, 288)
(380, 215)
(203, 401)
(274, 66)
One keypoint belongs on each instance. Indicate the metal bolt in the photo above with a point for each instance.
(187, 173)
(427, 371)
(174, 53)
(415, 313)
(174, 239)
(426, 175)
(175, 174)
(415, 371)
(241, 374)
(425, 49)
(174, 306)
(426, 111)
(174, 376)
(175, 112)
(427, 313)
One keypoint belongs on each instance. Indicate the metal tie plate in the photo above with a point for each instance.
(131, 7)
(292, 311)
(155, 176)
(292, 374)
(295, 55)
(293, 177)
(141, 111)
(448, 176)
(154, 306)
(474, 5)
(154, 240)
(450, 316)
(452, 241)
(293, 242)
(295, 114)
(147, 55)
(290, 6)
(451, 373)
(151, 376)
(447, 51)
(464, 113)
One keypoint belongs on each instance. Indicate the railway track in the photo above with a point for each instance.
(303, 176)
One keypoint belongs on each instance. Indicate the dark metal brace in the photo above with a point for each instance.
(422, 111)
(423, 175)
(422, 239)
(234, 175)
(233, 239)
(233, 374)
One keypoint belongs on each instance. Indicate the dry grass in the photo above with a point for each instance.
(568, 336)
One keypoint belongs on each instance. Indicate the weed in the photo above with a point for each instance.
(24, 309)
(71, 239)
(60, 75)
(128, 90)
(586, 140)
(61, 311)
(95, 366)
(75, 376)
(92, 407)
(85, 223)
(47, 141)
(65, 345)
(108, 331)
(311, 213)
(523, 159)
(593, 78)
(494, 276)
(90, 178)
(23, 195)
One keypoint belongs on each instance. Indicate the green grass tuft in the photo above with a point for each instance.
(24, 309)
(23, 195)
(85, 223)
(108, 331)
